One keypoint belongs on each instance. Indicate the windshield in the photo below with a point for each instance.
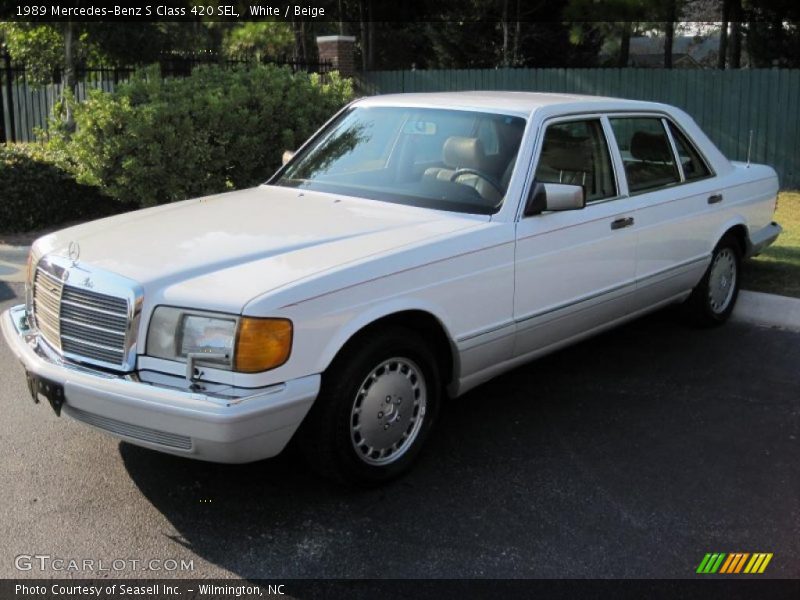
(435, 158)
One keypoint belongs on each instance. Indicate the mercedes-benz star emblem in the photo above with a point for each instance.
(74, 252)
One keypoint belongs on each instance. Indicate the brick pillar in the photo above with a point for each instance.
(340, 51)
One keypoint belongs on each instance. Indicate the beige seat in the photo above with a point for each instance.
(565, 162)
(653, 163)
(465, 153)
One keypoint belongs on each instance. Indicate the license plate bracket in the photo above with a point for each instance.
(52, 391)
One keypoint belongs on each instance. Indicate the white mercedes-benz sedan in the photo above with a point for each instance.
(416, 246)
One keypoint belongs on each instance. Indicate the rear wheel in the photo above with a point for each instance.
(377, 405)
(712, 301)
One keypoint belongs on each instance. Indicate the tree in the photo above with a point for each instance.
(40, 47)
(51, 51)
(258, 39)
(46, 49)
(772, 32)
(616, 20)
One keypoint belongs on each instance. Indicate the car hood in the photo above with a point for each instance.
(228, 248)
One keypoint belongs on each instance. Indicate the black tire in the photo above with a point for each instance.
(703, 308)
(326, 437)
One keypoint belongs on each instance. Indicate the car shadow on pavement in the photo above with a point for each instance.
(608, 459)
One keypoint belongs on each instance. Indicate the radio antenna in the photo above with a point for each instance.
(749, 146)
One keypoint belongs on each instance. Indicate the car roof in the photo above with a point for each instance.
(512, 103)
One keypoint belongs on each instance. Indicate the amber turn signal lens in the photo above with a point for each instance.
(262, 344)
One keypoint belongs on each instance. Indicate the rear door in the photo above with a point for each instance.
(672, 188)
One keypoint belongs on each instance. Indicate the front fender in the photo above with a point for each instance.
(374, 313)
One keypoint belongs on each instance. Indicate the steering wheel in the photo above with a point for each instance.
(487, 178)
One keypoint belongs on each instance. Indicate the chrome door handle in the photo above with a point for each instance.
(714, 198)
(621, 223)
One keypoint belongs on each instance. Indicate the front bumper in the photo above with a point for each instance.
(219, 428)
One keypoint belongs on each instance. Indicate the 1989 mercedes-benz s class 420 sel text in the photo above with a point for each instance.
(416, 246)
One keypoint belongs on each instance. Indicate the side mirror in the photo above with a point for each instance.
(554, 196)
(287, 156)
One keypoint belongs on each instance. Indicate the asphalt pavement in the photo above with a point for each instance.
(629, 455)
(12, 262)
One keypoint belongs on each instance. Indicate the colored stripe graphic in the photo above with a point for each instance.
(758, 563)
(711, 562)
(727, 564)
(741, 562)
(733, 563)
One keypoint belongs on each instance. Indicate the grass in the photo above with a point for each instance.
(777, 269)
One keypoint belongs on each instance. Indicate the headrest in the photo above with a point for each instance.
(561, 156)
(463, 153)
(651, 147)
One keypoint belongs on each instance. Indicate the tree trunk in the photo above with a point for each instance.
(297, 34)
(371, 37)
(723, 34)
(504, 25)
(625, 45)
(303, 49)
(515, 44)
(669, 32)
(736, 35)
(364, 40)
(69, 83)
(669, 35)
(736, 44)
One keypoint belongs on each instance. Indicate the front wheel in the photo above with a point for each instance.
(712, 301)
(377, 405)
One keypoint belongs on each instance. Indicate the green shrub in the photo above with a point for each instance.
(155, 141)
(35, 193)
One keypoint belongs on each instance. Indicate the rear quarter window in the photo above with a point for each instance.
(694, 167)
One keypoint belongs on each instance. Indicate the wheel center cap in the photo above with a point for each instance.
(387, 398)
(389, 409)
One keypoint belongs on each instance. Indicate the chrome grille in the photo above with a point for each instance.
(80, 323)
(46, 306)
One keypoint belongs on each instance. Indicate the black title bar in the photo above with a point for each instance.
(709, 588)
(360, 11)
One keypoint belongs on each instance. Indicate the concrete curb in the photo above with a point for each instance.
(767, 310)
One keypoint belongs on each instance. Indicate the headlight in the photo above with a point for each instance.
(244, 344)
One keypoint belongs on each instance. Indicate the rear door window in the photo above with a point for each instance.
(646, 153)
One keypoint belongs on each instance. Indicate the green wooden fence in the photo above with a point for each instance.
(726, 104)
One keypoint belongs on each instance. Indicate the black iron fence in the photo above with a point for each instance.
(27, 106)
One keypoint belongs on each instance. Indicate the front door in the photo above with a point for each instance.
(575, 270)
